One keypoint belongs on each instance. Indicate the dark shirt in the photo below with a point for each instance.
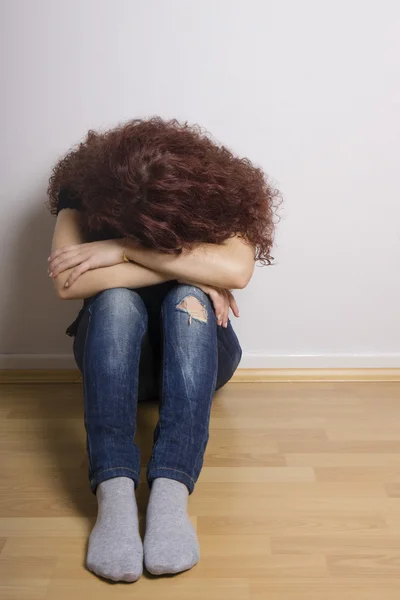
(67, 200)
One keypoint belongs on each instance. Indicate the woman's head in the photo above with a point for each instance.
(167, 186)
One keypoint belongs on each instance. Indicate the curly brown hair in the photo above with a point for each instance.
(167, 185)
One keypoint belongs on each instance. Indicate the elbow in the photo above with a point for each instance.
(240, 282)
(62, 292)
(242, 276)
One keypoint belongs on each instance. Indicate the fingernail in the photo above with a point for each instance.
(51, 274)
(48, 259)
(66, 284)
(225, 325)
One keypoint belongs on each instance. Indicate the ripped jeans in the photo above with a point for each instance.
(162, 341)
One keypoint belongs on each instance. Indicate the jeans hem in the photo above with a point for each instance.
(169, 473)
(111, 473)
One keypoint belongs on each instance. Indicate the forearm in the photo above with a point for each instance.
(125, 275)
(228, 265)
(68, 232)
(78, 272)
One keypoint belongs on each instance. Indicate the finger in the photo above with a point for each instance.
(56, 254)
(222, 313)
(217, 311)
(77, 272)
(225, 307)
(217, 304)
(64, 263)
(61, 250)
(233, 305)
(226, 313)
(55, 261)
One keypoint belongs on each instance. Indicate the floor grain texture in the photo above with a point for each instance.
(299, 498)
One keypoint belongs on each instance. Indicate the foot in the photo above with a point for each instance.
(170, 543)
(115, 548)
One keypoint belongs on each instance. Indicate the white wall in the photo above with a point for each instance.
(309, 90)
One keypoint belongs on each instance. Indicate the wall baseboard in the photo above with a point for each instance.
(314, 375)
(37, 361)
(32, 376)
(40, 376)
(250, 360)
(61, 368)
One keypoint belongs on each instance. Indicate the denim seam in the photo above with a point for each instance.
(84, 381)
(170, 469)
(162, 382)
(113, 468)
(201, 451)
(180, 366)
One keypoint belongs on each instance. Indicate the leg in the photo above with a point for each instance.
(107, 349)
(190, 364)
(188, 384)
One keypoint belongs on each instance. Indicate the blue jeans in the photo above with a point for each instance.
(132, 344)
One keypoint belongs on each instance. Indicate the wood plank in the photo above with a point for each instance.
(184, 587)
(255, 474)
(330, 588)
(39, 376)
(297, 500)
(289, 526)
(382, 563)
(343, 460)
(368, 541)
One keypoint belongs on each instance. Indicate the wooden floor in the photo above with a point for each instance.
(299, 498)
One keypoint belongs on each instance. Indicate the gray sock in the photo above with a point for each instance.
(170, 543)
(115, 548)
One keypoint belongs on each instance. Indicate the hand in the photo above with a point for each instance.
(222, 300)
(83, 257)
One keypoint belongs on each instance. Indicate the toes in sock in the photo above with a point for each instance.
(170, 543)
(115, 548)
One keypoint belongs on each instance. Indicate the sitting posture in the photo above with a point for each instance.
(156, 224)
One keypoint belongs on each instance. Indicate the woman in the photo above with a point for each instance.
(156, 224)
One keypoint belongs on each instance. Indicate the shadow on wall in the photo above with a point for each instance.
(33, 319)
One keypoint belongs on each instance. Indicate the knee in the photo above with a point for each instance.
(191, 300)
(119, 304)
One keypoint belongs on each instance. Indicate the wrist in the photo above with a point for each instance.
(124, 256)
(131, 251)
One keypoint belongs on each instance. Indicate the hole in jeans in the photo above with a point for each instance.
(194, 308)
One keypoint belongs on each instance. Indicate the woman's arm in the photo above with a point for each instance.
(68, 233)
(228, 265)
